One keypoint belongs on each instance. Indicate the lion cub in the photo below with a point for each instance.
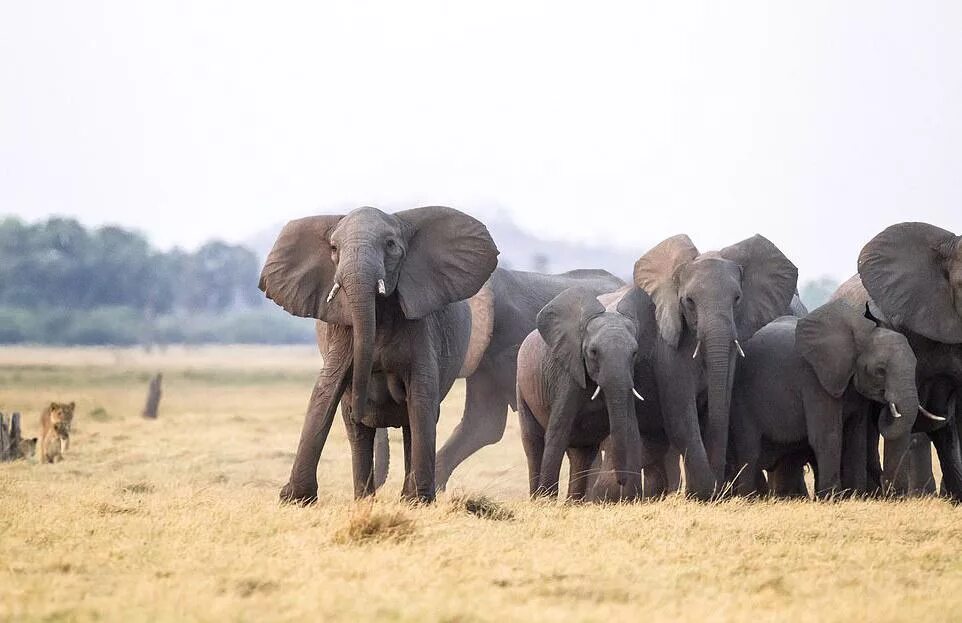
(55, 431)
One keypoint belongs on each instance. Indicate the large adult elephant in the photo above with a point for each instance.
(705, 304)
(503, 313)
(392, 290)
(911, 276)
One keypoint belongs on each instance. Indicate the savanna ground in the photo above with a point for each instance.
(177, 519)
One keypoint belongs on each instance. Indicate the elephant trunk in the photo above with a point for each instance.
(360, 291)
(719, 354)
(620, 405)
(898, 417)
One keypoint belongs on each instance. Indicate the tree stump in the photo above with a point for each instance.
(153, 397)
(9, 438)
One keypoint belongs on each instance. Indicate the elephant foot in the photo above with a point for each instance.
(300, 496)
(418, 499)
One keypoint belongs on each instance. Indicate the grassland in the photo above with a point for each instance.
(177, 519)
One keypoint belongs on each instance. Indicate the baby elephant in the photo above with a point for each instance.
(576, 385)
(807, 383)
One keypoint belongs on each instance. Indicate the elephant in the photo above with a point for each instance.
(787, 477)
(581, 351)
(910, 275)
(705, 304)
(392, 290)
(805, 383)
(503, 313)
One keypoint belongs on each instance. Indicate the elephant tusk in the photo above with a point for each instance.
(739, 347)
(637, 395)
(330, 297)
(380, 287)
(694, 355)
(894, 410)
(597, 391)
(930, 415)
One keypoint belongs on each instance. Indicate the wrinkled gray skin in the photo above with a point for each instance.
(911, 275)
(391, 288)
(662, 472)
(576, 386)
(805, 382)
(517, 297)
(490, 390)
(711, 299)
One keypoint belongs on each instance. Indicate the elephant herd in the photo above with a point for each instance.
(707, 356)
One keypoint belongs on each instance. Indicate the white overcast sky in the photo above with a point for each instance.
(816, 123)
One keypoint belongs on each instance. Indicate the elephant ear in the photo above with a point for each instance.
(299, 272)
(638, 307)
(913, 271)
(828, 339)
(562, 324)
(656, 272)
(449, 257)
(769, 281)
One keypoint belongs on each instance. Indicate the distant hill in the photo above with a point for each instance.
(520, 249)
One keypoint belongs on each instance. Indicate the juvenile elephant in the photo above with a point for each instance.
(911, 276)
(391, 288)
(805, 382)
(503, 313)
(576, 386)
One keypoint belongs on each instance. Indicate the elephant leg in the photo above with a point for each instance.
(579, 461)
(672, 464)
(301, 487)
(560, 422)
(946, 440)
(748, 448)
(423, 412)
(823, 418)
(854, 454)
(361, 438)
(896, 465)
(681, 427)
(482, 424)
(873, 463)
(382, 457)
(921, 478)
(407, 490)
(532, 438)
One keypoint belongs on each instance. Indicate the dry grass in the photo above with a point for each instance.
(177, 519)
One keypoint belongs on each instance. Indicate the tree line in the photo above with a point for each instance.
(61, 282)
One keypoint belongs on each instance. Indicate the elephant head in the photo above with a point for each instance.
(334, 268)
(845, 346)
(913, 272)
(718, 298)
(597, 349)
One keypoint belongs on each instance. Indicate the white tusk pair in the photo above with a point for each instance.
(330, 297)
(637, 395)
(894, 410)
(694, 355)
(739, 347)
(380, 287)
(597, 391)
(931, 416)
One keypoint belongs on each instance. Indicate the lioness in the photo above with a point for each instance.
(55, 431)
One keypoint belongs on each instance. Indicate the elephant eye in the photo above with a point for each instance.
(738, 297)
(689, 301)
(392, 246)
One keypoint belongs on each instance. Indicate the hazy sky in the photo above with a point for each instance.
(815, 123)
